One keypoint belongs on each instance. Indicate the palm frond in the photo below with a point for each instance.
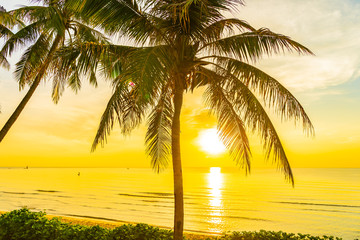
(148, 67)
(10, 20)
(92, 78)
(24, 36)
(88, 55)
(58, 22)
(187, 18)
(158, 135)
(251, 46)
(111, 114)
(87, 34)
(183, 12)
(256, 118)
(119, 16)
(4, 62)
(69, 74)
(127, 105)
(230, 125)
(33, 14)
(221, 27)
(275, 95)
(58, 88)
(5, 33)
(197, 80)
(74, 80)
(135, 105)
(31, 61)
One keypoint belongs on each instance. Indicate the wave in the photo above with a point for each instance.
(144, 196)
(228, 216)
(142, 205)
(13, 192)
(158, 193)
(319, 204)
(93, 217)
(325, 210)
(47, 191)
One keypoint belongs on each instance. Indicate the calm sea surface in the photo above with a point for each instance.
(324, 201)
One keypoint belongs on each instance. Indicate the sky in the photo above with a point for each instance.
(327, 85)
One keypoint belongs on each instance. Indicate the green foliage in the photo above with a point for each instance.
(271, 235)
(139, 232)
(25, 225)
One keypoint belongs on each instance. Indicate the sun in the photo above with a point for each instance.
(209, 142)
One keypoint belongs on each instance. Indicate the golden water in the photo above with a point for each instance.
(324, 201)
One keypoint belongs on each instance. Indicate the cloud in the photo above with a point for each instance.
(328, 27)
(199, 118)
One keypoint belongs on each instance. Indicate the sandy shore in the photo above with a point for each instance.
(114, 223)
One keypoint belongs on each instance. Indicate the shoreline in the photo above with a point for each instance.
(29, 216)
(113, 223)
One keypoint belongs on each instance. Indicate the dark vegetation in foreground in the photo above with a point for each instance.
(25, 225)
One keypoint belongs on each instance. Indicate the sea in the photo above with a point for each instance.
(323, 201)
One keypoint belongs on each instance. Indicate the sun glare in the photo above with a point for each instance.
(210, 143)
(215, 185)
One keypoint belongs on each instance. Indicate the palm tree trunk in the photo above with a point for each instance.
(31, 91)
(19, 109)
(177, 170)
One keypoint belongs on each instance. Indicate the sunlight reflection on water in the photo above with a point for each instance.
(215, 184)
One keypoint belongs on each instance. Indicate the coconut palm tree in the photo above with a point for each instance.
(7, 23)
(176, 47)
(48, 28)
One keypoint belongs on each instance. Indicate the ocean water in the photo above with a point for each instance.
(323, 201)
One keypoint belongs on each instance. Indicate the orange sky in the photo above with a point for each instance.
(328, 86)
